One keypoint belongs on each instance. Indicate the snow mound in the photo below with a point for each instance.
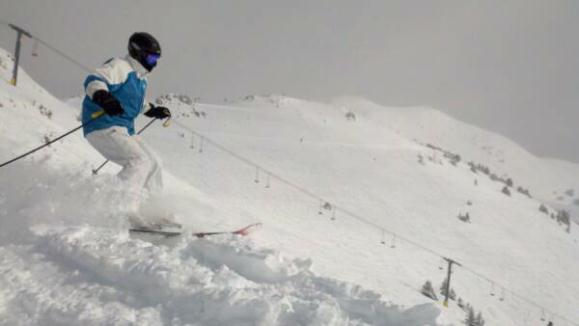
(95, 273)
(101, 276)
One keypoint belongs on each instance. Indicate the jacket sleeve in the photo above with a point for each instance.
(109, 77)
(146, 106)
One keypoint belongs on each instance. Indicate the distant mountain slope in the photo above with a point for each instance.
(546, 179)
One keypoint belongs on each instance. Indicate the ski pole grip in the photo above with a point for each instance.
(167, 122)
(97, 114)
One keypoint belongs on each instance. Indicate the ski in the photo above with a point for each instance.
(243, 231)
(156, 231)
(163, 227)
(171, 233)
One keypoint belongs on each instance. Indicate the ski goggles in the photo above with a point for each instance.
(152, 58)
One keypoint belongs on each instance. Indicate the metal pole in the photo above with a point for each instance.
(16, 59)
(19, 32)
(449, 273)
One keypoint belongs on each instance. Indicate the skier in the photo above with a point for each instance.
(118, 88)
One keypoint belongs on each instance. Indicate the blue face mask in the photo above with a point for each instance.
(151, 59)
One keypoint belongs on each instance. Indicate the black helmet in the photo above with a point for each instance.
(144, 48)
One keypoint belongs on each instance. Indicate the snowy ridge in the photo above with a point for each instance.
(546, 178)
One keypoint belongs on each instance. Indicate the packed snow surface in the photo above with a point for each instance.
(339, 189)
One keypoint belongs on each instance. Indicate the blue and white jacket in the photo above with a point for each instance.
(125, 79)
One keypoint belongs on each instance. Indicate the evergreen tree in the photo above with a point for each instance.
(428, 290)
(460, 303)
(479, 321)
(452, 294)
(465, 218)
(563, 217)
(470, 318)
(509, 182)
(506, 191)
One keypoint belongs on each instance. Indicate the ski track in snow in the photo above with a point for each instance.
(103, 277)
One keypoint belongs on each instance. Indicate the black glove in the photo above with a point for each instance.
(158, 112)
(108, 102)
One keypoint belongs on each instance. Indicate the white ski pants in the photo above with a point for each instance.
(141, 166)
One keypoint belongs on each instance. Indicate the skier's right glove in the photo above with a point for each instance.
(158, 112)
(108, 102)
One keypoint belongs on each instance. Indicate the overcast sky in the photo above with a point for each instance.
(507, 66)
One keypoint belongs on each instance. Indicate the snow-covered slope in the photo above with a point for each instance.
(359, 163)
(65, 258)
(59, 234)
(553, 181)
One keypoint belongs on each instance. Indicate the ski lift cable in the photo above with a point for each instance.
(517, 295)
(54, 49)
(62, 54)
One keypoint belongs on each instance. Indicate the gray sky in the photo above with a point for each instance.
(508, 66)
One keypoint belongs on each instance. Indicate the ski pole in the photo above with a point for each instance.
(96, 171)
(94, 116)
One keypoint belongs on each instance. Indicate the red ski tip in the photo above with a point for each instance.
(243, 231)
(246, 229)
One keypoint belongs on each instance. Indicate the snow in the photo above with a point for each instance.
(217, 282)
(66, 258)
(543, 176)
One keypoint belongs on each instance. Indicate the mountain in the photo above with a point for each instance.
(358, 204)
(550, 180)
